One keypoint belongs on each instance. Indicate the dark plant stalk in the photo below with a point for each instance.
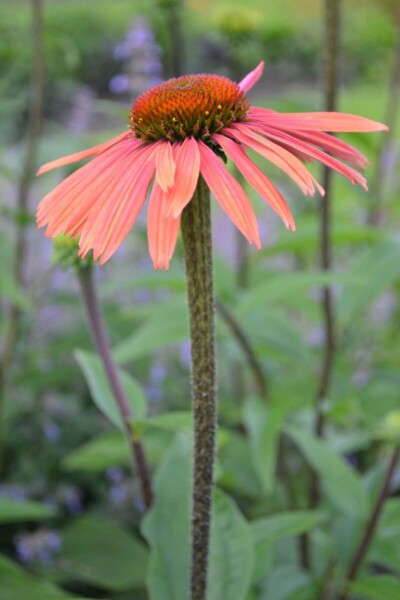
(196, 233)
(332, 51)
(95, 319)
(35, 115)
(176, 56)
(372, 522)
(391, 113)
(241, 337)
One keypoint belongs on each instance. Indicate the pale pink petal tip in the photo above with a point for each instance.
(251, 79)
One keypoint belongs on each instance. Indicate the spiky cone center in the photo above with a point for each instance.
(192, 105)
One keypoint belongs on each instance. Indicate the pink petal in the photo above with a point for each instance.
(105, 230)
(187, 160)
(229, 194)
(280, 157)
(165, 165)
(73, 196)
(334, 146)
(317, 121)
(329, 161)
(256, 178)
(251, 79)
(162, 231)
(94, 151)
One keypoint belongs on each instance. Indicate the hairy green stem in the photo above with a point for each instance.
(196, 232)
(94, 316)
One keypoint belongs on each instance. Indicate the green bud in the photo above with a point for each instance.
(66, 253)
(237, 23)
(389, 428)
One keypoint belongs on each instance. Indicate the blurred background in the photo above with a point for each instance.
(70, 508)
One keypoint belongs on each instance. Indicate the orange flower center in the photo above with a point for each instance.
(192, 105)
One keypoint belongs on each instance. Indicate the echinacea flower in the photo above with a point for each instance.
(178, 131)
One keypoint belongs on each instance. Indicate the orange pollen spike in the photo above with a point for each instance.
(192, 105)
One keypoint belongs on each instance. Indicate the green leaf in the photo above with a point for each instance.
(172, 421)
(287, 524)
(102, 395)
(107, 450)
(167, 529)
(383, 587)
(280, 286)
(163, 328)
(288, 583)
(263, 425)
(166, 525)
(342, 485)
(307, 239)
(100, 553)
(12, 511)
(382, 265)
(232, 551)
(8, 287)
(269, 530)
(17, 584)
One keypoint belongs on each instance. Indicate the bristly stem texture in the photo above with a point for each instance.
(372, 522)
(100, 338)
(331, 68)
(196, 232)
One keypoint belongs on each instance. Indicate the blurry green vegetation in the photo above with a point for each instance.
(71, 524)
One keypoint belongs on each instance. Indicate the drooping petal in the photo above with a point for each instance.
(187, 160)
(165, 165)
(229, 194)
(280, 157)
(292, 142)
(78, 192)
(105, 230)
(256, 178)
(77, 156)
(317, 121)
(162, 232)
(334, 146)
(251, 79)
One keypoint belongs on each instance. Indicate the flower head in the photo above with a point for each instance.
(178, 131)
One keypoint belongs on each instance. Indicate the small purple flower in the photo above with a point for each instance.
(118, 494)
(24, 551)
(184, 353)
(119, 84)
(73, 502)
(52, 431)
(115, 475)
(157, 373)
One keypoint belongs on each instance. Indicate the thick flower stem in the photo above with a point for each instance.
(196, 232)
(100, 339)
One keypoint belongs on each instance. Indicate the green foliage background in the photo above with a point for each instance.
(64, 461)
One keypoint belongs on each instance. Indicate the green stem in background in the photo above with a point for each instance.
(332, 9)
(251, 357)
(371, 524)
(94, 316)
(392, 109)
(173, 10)
(35, 116)
(196, 233)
